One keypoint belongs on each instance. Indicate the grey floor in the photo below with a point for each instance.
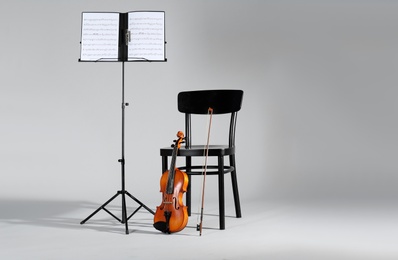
(34, 229)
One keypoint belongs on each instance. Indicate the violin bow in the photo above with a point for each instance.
(206, 153)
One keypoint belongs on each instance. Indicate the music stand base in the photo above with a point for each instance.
(124, 219)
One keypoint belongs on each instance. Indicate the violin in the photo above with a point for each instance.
(172, 216)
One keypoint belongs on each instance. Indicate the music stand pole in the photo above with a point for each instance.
(123, 190)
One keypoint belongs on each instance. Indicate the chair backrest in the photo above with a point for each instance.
(222, 101)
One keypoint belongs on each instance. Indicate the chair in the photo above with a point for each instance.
(197, 103)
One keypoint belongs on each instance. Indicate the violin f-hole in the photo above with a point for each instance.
(176, 204)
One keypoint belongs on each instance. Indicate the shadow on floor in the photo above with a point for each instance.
(69, 214)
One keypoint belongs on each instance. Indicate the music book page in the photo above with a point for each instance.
(147, 39)
(100, 37)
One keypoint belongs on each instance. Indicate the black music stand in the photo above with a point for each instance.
(123, 192)
(93, 51)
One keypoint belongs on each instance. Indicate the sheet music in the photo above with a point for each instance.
(147, 36)
(100, 37)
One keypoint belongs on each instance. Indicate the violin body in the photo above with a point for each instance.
(171, 215)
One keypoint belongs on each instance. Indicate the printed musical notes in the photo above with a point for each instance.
(100, 36)
(147, 36)
(101, 32)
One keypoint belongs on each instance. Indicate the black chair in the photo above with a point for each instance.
(197, 103)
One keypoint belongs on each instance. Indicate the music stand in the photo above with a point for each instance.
(119, 28)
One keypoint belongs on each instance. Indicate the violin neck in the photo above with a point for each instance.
(170, 180)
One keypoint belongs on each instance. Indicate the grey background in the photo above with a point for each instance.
(319, 118)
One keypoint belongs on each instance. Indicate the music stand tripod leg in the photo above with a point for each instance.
(140, 203)
(101, 207)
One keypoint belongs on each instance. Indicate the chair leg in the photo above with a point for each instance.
(189, 196)
(164, 164)
(188, 164)
(235, 187)
(221, 193)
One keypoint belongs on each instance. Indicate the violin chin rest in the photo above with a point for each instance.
(161, 226)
